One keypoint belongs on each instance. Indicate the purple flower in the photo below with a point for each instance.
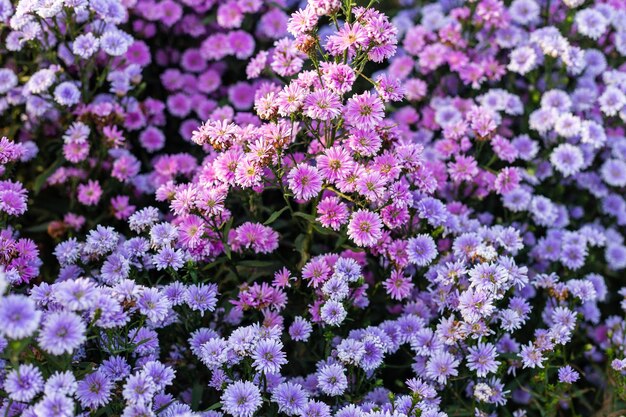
(422, 250)
(305, 181)
(568, 375)
(300, 329)
(290, 398)
(95, 390)
(331, 379)
(18, 316)
(442, 365)
(482, 359)
(365, 228)
(139, 389)
(268, 356)
(333, 313)
(241, 399)
(55, 405)
(24, 383)
(62, 332)
(201, 297)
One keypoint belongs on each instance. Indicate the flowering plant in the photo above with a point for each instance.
(331, 208)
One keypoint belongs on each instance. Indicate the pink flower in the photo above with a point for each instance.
(332, 213)
(302, 21)
(398, 286)
(507, 180)
(365, 228)
(322, 105)
(364, 111)
(305, 181)
(335, 164)
(89, 194)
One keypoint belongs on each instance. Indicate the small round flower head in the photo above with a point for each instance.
(61, 383)
(568, 375)
(115, 42)
(422, 250)
(365, 228)
(24, 383)
(139, 389)
(567, 159)
(241, 399)
(95, 390)
(322, 105)
(333, 313)
(55, 405)
(300, 329)
(201, 297)
(442, 365)
(613, 172)
(268, 356)
(364, 111)
(290, 398)
(332, 213)
(19, 316)
(67, 94)
(332, 380)
(8, 80)
(523, 59)
(612, 101)
(305, 181)
(591, 23)
(62, 332)
(85, 45)
(481, 358)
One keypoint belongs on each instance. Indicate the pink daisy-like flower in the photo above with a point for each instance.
(322, 105)
(305, 181)
(302, 21)
(365, 228)
(336, 163)
(338, 77)
(332, 213)
(349, 38)
(89, 194)
(398, 286)
(364, 110)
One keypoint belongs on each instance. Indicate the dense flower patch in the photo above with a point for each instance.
(323, 208)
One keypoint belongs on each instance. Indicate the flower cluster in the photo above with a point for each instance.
(324, 208)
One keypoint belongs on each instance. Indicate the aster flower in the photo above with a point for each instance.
(331, 379)
(24, 383)
(422, 250)
(333, 313)
(305, 181)
(94, 390)
(364, 111)
(322, 105)
(365, 228)
(442, 365)
(300, 329)
(241, 399)
(62, 332)
(481, 358)
(268, 356)
(19, 316)
(568, 375)
(290, 398)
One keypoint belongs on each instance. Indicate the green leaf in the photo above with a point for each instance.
(252, 263)
(305, 216)
(43, 177)
(214, 406)
(196, 395)
(274, 216)
(38, 228)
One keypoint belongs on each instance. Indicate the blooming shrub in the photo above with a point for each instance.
(320, 208)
